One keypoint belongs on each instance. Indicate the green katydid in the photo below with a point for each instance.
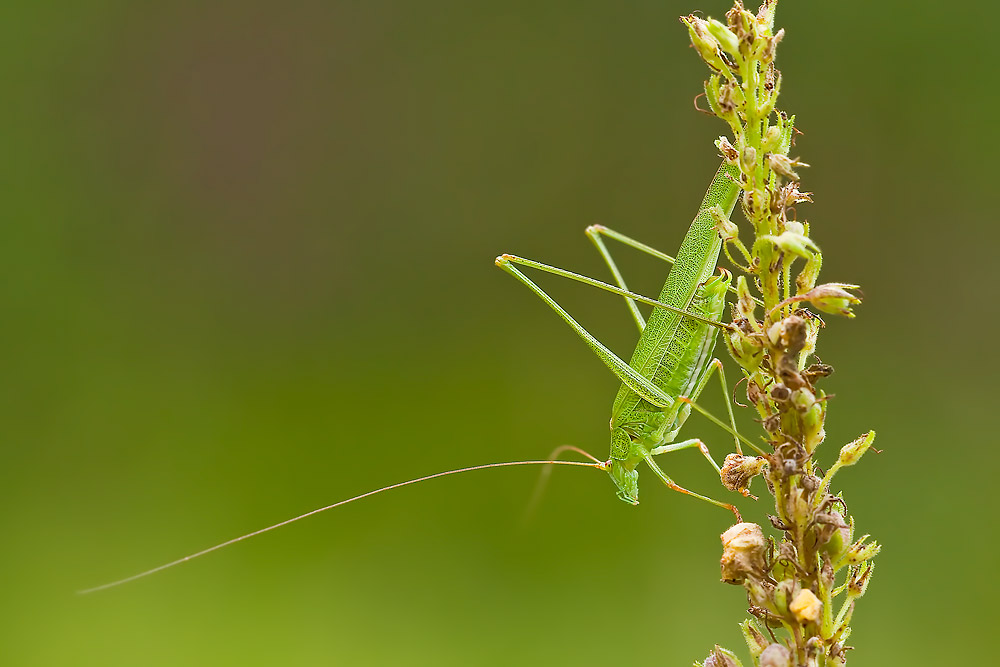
(670, 367)
(672, 361)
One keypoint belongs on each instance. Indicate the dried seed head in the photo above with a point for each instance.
(738, 470)
(780, 393)
(742, 552)
(806, 607)
(727, 149)
(775, 655)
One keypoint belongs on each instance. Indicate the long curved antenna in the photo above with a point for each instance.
(600, 465)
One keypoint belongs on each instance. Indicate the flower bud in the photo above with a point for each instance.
(727, 228)
(860, 552)
(745, 304)
(852, 452)
(833, 298)
(806, 607)
(721, 657)
(857, 584)
(792, 243)
(707, 46)
(738, 470)
(813, 433)
(784, 166)
(746, 350)
(771, 140)
(771, 45)
(775, 655)
(835, 534)
(748, 159)
(803, 399)
(806, 279)
(727, 40)
(742, 552)
(784, 592)
(756, 642)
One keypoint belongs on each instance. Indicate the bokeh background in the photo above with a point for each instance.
(247, 270)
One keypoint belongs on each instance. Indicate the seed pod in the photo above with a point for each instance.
(727, 150)
(742, 552)
(738, 470)
(775, 655)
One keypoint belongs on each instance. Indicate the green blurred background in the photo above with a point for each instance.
(247, 270)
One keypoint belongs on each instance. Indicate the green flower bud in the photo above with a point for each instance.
(806, 279)
(772, 139)
(756, 642)
(784, 593)
(836, 533)
(727, 40)
(794, 244)
(770, 46)
(860, 577)
(727, 228)
(748, 159)
(833, 298)
(813, 433)
(803, 399)
(707, 46)
(860, 551)
(746, 350)
(745, 304)
(852, 452)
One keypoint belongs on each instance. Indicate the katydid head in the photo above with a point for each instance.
(626, 480)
